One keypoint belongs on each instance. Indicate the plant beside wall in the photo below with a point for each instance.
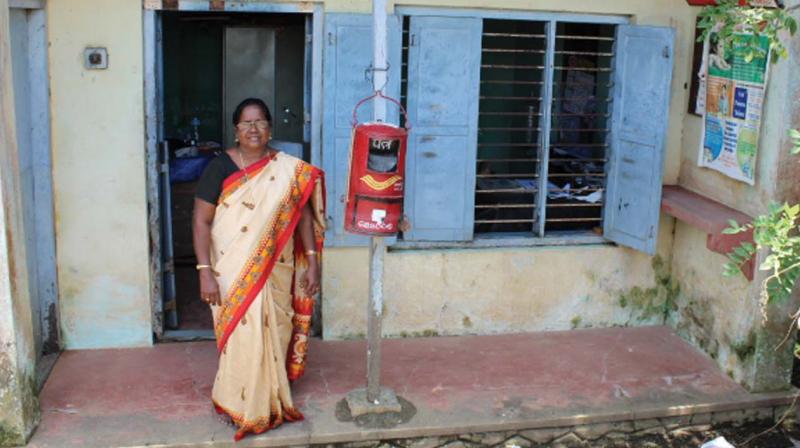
(777, 232)
(741, 28)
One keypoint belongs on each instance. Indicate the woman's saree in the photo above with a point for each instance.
(259, 262)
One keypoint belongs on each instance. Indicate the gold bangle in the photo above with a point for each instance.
(311, 252)
(203, 266)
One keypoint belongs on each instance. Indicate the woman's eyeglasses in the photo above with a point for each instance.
(246, 125)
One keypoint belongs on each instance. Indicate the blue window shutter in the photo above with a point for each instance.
(444, 59)
(642, 77)
(347, 54)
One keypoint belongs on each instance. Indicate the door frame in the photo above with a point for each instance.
(44, 278)
(153, 90)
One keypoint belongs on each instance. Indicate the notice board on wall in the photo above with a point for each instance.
(734, 98)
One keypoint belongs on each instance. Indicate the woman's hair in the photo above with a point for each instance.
(237, 113)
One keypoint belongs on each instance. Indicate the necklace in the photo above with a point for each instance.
(251, 205)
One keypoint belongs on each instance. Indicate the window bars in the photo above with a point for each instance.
(525, 150)
(580, 111)
(509, 125)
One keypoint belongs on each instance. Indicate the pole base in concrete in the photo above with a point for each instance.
(359, 405)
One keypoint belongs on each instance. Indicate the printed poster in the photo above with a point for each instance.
(734, 99)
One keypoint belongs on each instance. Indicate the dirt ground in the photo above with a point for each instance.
(736, 435)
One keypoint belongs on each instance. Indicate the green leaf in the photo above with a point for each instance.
(730, 270)
(791, 25)
(794, 134)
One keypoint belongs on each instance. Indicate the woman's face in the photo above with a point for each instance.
(253, 129)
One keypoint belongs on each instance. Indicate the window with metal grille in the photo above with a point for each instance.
(541, 150)
(539, 172)
(579, 126)
(509, 122)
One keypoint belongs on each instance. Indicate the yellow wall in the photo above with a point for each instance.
(491, 290)
(99, 174)
(720, 314)
(777, 113)
(715, 313)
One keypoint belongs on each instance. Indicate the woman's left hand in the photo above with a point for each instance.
(311, 280)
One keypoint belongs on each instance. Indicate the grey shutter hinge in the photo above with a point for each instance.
(652, 231)
(666, 52)
(331, 39)
(412, 40)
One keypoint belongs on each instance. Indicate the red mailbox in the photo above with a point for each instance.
(377, 174)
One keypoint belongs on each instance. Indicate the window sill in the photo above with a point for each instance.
(709, 216)
(515, 240)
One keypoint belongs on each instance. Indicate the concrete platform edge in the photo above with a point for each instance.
(754, 401)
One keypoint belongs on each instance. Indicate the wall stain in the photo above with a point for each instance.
(654, 303)
(746, 348)
(18, 402)
(419, 334)
(52, 344)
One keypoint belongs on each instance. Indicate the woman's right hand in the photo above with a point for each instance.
(209, 288)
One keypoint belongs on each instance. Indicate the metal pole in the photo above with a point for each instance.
(379, 50)
(377, 247)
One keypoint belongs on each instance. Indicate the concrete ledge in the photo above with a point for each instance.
(755, 407)
(709, 216)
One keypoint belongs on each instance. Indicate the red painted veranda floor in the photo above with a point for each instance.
(160, 395)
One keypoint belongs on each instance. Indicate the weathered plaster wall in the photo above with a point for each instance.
(778, 109)
(485, 291)
(721, 315)
(715, 313)
(99, 174)
(19, 410)
(525, 289)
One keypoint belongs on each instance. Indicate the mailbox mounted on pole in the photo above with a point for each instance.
(377, 176)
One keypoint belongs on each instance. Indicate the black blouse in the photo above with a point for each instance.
(209, 186)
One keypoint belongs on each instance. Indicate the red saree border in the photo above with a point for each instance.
(261, 424)
(264, 257)
(236, 180)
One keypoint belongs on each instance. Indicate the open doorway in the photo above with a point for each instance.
(210, 61)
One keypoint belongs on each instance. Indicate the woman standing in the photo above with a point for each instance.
(258, 227)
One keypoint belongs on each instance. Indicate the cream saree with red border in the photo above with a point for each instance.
(253, 251)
